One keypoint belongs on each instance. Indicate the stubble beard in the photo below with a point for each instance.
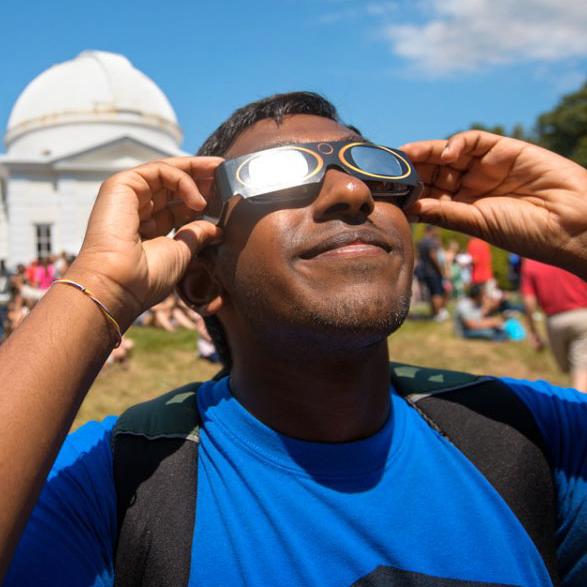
(335, 323)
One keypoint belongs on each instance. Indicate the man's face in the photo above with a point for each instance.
(336, 269)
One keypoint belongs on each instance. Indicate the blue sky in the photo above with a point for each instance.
(399, 70)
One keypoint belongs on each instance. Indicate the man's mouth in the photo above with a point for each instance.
(349, 243)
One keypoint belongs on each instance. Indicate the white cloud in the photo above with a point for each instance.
(467, 35)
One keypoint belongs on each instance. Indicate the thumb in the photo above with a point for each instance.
(170, 257)
(446, 213)
(193, 237)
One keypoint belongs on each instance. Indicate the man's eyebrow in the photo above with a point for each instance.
(284, 143)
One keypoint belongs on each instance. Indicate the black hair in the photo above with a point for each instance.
(475, 291)
(275, 107)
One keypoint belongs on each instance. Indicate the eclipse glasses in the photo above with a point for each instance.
(295, 172)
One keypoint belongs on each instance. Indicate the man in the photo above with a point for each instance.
(482, 274)
(431, 272)
(563, 298)
(474, 319)
(311, 470)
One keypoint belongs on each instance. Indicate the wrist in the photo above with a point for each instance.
(119, 301)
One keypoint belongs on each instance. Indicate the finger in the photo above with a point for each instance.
(426, 153)
(451, 214)
(158, 219)
(146, 211)
(181, 213)
(448, 179)
(461, 195)
(139, 185)
(163, 176)
(197, 167)
(161, 198)
(475, 143)
(205, 185)
(174, 215)
(204, 232)
(160, 224)
(193, 237)
(170, 257)
(426, 171)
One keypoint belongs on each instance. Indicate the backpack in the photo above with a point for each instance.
(155, 456)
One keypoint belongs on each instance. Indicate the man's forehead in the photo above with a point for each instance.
(297, 128)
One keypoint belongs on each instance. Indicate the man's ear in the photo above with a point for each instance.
(199, 289)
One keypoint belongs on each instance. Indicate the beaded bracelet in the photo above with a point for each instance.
(98, 303)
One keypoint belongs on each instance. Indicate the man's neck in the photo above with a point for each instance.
(317, 398)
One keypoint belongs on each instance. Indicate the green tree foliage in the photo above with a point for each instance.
(498, 129)
(517, 132)
(564, 129)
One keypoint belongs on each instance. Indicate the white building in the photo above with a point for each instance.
(73, 126)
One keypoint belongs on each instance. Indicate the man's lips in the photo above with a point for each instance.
(348, 243)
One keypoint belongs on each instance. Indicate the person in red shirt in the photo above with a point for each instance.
(30, 271)
(480, 252)
(43, 275)
(563, 298)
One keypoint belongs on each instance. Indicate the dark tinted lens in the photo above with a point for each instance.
(388, 188)
(376, 161)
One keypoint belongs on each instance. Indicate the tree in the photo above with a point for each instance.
(517, 132)
(498, 129)
(564, 129)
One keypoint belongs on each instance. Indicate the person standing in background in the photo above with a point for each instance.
(563, 298)
(30, 271)
(431, 272)
(514, 269)
(44, 274)
(480, 252)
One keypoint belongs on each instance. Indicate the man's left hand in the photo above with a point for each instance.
(512, 194)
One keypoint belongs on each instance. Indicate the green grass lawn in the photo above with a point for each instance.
(162, 361)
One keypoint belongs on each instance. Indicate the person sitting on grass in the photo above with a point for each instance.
(306, 462)
(474, 317)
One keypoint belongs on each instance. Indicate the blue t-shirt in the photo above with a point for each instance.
(403, 505)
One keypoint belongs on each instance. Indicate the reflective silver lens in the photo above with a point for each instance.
(277, 168)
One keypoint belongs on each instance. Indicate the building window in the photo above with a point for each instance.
(43, 234)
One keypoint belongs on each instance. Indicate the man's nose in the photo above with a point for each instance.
(343, 196)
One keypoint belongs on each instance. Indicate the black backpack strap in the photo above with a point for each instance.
(155, 460)
(497, 432)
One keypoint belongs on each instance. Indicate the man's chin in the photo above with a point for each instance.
(361, 322)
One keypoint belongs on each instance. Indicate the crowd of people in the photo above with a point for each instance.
(22, 288)
(465, 274)
(484, 311)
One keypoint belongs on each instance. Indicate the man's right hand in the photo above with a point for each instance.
(126, 258)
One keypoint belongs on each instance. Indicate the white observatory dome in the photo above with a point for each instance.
(94, 98)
